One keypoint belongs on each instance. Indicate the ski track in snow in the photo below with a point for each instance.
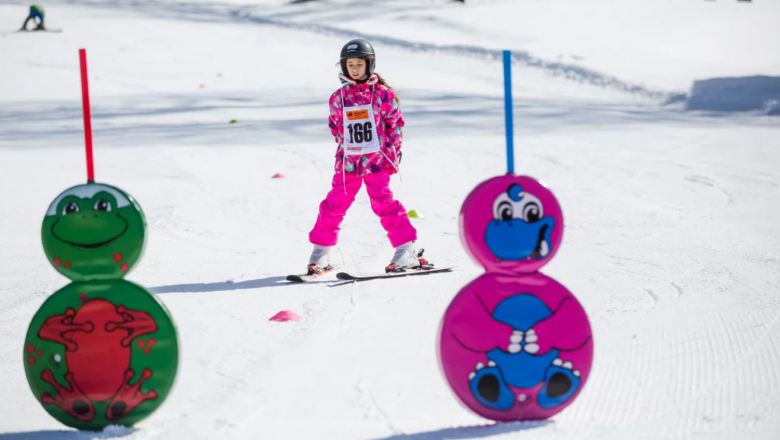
(672, 243)
(221, 12)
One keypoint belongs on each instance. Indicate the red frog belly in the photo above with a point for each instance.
(99, 361)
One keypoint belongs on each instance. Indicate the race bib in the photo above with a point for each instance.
(359, 131)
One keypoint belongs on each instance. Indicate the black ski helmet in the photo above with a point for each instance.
(360, 49)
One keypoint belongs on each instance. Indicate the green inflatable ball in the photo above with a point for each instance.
(101, 353)
(93, 232)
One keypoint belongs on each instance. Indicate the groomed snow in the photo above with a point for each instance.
(672, 242)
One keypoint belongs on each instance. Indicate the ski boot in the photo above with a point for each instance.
(319, 260)
(407, 258)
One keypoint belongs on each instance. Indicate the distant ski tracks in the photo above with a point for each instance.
(254, 14)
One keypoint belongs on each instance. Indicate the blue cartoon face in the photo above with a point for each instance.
(519, 230)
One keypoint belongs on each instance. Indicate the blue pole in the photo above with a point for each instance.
(509, 117)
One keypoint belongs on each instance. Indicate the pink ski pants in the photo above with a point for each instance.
(391, 213)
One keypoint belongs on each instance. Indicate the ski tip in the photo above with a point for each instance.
(294, 278)
(344, 276)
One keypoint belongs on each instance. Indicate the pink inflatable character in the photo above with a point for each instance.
(514, 344)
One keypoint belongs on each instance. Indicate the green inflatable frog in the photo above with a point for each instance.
(101, 350)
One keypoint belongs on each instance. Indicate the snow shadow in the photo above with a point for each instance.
(225, 286)
(109, 432)
(261, 118)
(174, 118)
(473, 114)
(469, 432)
(742, 94)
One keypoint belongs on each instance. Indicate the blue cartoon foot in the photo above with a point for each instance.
(561, 381)
(489, 388)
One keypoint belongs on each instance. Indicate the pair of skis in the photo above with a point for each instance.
(344, 276)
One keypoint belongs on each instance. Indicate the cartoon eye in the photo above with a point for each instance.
(531, 212)
(504, 211)
(503, 208)
(102, 205)
(70, 208)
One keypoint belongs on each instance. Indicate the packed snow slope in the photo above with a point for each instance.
(672, 242)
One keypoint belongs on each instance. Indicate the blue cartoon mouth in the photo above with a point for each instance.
(516, 240)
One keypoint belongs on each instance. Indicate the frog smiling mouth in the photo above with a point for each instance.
(89, 245)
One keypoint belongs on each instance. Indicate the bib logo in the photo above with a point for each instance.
(357, 115)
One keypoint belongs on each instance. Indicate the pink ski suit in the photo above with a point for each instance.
(374, 168)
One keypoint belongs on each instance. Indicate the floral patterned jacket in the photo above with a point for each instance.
(388, 121)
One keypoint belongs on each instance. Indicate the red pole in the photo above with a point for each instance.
(87, 116)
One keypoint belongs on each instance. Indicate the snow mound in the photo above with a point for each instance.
(751, 93)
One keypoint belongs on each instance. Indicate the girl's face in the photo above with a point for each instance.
(356, 68)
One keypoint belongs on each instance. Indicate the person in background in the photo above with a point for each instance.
(35, 12)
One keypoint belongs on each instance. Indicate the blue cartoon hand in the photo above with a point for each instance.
(523, 341)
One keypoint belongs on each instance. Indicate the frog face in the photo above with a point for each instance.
(93, 232)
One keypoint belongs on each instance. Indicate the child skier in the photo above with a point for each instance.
(366, 122)
(35, 12)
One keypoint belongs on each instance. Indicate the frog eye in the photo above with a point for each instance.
(70, 208)
(102, 205)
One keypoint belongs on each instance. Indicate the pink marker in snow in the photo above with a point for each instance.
(286, 315)
(278, 176)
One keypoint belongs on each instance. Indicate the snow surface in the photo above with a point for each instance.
(672, 241)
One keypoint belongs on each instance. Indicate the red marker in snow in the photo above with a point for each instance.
(278, 176)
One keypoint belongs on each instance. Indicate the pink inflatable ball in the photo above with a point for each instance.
(515, 348)
(511, 224)
(286, 315)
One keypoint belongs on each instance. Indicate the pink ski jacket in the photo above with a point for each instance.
(388, 121)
